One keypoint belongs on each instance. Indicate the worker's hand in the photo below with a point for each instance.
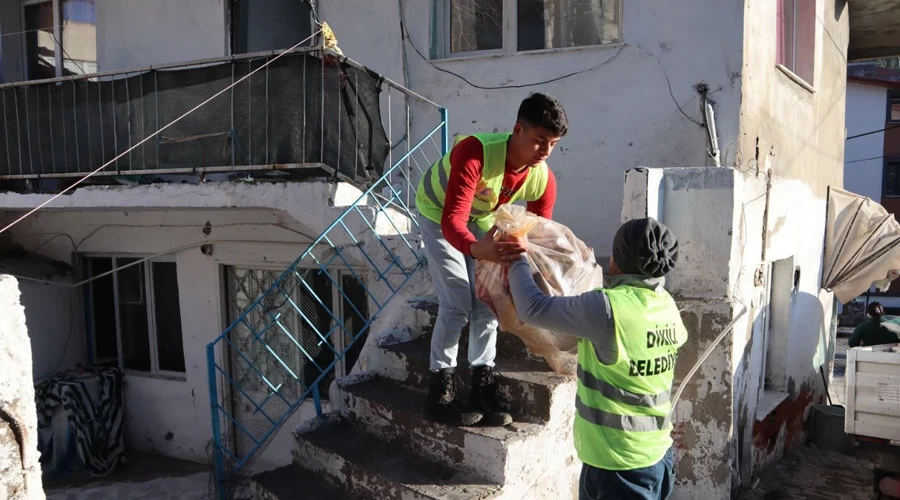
(489, 249)
(509, 238)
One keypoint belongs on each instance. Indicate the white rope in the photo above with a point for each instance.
(705, 355)
(154, 134)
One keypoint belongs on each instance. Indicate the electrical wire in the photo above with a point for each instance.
(33, 30)
(672, 95)
(315, 13)
(705, 355)
(863, 159)
(65, 349)
(154, 256)
(873, 132)
(405, 36)
(154, 134)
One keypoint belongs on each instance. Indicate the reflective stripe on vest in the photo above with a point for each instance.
(623, 409)
(433, 184)
(610, 391)
(629, 423)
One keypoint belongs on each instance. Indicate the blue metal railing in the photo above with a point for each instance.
(288, 342)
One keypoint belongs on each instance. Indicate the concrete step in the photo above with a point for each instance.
(395, 413)
(532, 390)
(293, 482)
(364, 466)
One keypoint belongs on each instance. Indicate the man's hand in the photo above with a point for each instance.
(489, 249)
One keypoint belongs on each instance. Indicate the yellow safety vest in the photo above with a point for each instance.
(432, 188)
(623, 419)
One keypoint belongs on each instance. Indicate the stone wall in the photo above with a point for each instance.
(20, 472)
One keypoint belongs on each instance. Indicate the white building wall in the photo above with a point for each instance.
(866, 108)
(135, 33)
(792, 137)
(55, 320)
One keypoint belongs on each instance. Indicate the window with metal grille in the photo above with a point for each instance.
(281, 345)
(293, 331)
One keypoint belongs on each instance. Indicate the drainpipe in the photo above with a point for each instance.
(710, 116)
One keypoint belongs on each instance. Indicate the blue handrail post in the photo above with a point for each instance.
(317, 400)
(214, 412)
(445, 135)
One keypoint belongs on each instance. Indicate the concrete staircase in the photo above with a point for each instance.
(376, 444)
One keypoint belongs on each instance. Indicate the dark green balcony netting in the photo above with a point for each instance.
(300, 109)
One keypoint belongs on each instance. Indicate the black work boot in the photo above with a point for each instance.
(441, 404)
(483, 398)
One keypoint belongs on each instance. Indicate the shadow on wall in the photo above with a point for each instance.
(839, 9)
(811, 338)
(811, 345)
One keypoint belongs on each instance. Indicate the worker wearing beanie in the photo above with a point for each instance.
(457, 197)
(629, 335)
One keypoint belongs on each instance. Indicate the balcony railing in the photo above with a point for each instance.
(303, 110)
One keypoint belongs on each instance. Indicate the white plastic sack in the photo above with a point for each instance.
(562, 265)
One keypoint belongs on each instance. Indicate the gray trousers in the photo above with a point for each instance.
(454, 281)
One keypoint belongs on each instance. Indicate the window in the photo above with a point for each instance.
(134, 315)
(891, 178)
(473, 26)
(796, 34)
(60, 38)
(260, 25)
(894, 109)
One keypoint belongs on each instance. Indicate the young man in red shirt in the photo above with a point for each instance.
(457, 197)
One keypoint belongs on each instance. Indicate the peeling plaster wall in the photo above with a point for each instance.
(719, 442)
(20, 472)
(793, 139)
(702, 285)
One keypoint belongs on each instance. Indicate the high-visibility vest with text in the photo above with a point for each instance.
(623, 412)
(432, 187)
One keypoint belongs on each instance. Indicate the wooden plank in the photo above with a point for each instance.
(850, 379)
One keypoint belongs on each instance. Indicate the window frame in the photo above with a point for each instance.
(893, 99)
(231, 29)
(148, 290)
(59, 55)
(888, 162)
(440, 34)
(781, 50)
(57, 36)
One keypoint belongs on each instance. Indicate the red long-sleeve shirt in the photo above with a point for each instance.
(467, 161)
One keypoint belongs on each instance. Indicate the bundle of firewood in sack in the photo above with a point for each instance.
(562, 265)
